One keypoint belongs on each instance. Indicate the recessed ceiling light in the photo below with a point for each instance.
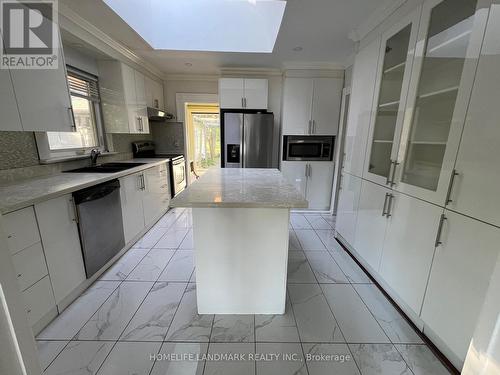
(188, 64)
(298, 49)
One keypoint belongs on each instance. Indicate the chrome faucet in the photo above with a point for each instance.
(94, 154)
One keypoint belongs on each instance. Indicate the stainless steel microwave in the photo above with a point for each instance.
(308, 148)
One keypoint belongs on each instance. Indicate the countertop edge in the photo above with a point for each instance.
(305, 204)
(98, 180)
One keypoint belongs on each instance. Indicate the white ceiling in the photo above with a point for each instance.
(320, 27)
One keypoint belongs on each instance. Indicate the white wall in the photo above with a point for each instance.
(211, 86)
(80, 60)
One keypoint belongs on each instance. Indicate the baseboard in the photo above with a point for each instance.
(419, 330)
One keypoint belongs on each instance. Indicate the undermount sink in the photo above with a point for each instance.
(106, 168)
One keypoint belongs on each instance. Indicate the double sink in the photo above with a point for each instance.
(106, 168)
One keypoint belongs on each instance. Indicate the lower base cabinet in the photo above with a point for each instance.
(459, 279)
(347, 208)
(313, 179)
(131, 194)
(409, 248)
(144, 197)
(39, 300)
(157, 192)
(371, 222)
(61, 243)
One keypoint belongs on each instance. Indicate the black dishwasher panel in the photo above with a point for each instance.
(100, 224)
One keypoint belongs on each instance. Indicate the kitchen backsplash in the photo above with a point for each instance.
(19, 155)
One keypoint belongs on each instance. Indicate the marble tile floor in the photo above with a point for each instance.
(140, 317)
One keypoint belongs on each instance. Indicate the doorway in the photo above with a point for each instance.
(203, 136)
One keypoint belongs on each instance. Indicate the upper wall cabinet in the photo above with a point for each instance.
(8, 105)
(311, 105)
(154, 93)
(446, 57)
(359, 117)
(474, 190)
(123, 94)
(43, 101)
(396, 51)
(243, 93)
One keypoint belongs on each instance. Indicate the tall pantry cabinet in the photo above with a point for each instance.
(426, 220)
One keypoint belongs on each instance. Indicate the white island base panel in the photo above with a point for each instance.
(241, 260)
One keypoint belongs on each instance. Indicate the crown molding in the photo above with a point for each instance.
(238, 72)
(311, 65)
(73, 23)
(191, 77)
(375, 19)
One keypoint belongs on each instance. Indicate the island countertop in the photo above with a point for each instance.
(241, 188)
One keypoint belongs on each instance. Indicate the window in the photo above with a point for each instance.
(85, 103)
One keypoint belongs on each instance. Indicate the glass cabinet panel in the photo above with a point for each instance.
(391, 84)
(448, 37)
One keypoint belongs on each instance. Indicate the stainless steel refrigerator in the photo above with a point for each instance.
(249, 140)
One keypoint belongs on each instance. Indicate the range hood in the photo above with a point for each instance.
(155, 114)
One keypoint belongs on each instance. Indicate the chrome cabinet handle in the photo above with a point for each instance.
(450, 187)
(310, 170)
(245, 99)
(395, 163)
(385, 204)
(242, 102)
(313, 127)
(389, 206)
(388, 179)
(75, 210)
(439, 231)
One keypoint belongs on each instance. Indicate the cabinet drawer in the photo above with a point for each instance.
(39, 300)
(21, 229)
(29, 265)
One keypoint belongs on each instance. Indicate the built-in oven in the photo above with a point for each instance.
(308, 148)
(178, 180)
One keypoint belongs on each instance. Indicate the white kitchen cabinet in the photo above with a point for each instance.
(311, 105)
(475, 189)
(319, 185)
(327, 97)
(441, 83)
(29, 265)
(459, 279)
(297, 103)
(61, 243)
(21, 229)
(141, 111)
(373, 208)
(393, 79)
(8, 104)
(296, 174)
(347, 209)
(131, 194)
(154, 93)
(39, 301)
(313, 179)
(43, 97)
(157, 192)
(360, 107)
(243, 93)
(409, 248)
(123, 98)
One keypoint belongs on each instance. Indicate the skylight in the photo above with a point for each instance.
(204, 25)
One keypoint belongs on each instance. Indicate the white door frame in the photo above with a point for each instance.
(180, 102)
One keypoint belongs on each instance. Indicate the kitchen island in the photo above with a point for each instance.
(240, 228)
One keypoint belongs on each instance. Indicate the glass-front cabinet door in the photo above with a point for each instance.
(446, 56)
(396, 57)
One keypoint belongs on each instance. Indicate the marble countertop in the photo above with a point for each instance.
(241, 188)
(28, 192)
